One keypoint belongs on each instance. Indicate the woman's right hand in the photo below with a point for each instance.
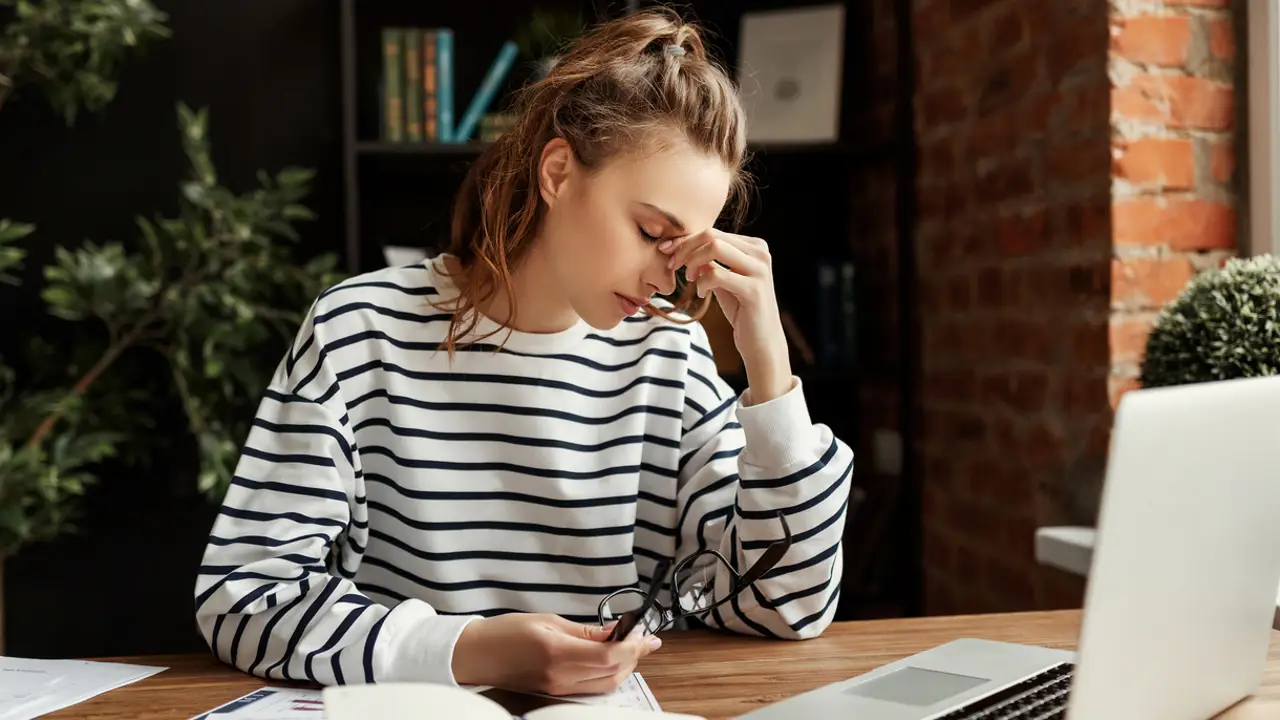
(544, 653)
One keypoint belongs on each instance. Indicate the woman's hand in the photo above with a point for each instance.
(738, 270)
(544, 653)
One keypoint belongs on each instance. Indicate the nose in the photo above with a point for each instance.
(659, 277)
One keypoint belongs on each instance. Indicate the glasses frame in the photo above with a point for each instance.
(669, 615)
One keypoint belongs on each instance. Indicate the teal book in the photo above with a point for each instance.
(444, 83)
(485, 94)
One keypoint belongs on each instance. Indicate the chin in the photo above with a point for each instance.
(602, 316)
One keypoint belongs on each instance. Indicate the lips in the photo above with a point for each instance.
(630, 305)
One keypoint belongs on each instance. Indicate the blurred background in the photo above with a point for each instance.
(977, 209)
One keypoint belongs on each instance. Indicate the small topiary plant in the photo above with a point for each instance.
(1225, 324)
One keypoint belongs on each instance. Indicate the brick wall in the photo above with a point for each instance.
(1014, 252)
(1075, 169)
(1173, 117)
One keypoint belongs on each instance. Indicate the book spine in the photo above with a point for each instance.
(430, 114)
(848, 306)
(413, 85)
(444, 84)
(392, 85)
(828, 307)
(489, 87)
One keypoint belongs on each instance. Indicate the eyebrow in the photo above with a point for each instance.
(670, 218)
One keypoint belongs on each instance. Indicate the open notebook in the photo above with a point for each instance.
(414, 701)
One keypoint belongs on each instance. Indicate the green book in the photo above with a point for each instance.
(413, 85)
(392, 84)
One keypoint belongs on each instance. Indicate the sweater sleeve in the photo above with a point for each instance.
(740, 465)
(275, 595)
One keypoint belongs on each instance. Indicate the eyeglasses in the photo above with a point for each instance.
(690, 585)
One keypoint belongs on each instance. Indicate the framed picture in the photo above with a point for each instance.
(790, 64)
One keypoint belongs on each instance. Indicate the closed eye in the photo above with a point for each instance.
(647, 236)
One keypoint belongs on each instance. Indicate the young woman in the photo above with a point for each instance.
(459, 461)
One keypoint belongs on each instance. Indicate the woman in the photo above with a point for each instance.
(459, 461)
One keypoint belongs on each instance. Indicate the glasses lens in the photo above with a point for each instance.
(695, 581)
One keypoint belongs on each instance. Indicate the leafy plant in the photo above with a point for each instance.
(73, 49)
(1225, 324)
(214, 292)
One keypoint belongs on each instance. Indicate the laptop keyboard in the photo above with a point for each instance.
(1039, 697)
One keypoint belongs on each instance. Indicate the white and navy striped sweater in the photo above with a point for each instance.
(384, 497)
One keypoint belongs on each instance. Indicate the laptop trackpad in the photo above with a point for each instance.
(916, 686)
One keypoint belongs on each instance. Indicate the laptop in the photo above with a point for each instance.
(1181, 593)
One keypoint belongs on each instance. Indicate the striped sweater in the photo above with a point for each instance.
(386, 496)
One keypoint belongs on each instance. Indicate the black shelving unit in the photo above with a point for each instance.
(402, 193)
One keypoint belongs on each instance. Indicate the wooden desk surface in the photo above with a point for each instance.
(713, 675)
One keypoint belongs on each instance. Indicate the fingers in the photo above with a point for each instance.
(722, 278)
(745, 254)
(576, 650)
(605, 680)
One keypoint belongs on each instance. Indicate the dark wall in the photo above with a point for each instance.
(268, 72)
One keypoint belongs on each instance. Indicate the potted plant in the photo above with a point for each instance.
(1225, 324)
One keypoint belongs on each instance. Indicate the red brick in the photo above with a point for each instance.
(993, 135)
(1024, 392)
(1085, 159)
(1222, 40)
(1083, 393)
(1023, 234)
(1075, 44)
(1128, 338)
(1011, 583)
(1005, 83)
(1088, 222)
(961, 9)
(1153, 40)
(959, 295)
(1117, 386)
(1178, 101)
(1089, 346)
(1007, 182)
(1043, 446)
(1165, 163)
(1222, 161)
(1183, 224)
(1007, 29)
(945, 105)
(1149, 282)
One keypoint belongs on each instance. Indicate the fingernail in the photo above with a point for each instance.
(665, 245)
(655, 642)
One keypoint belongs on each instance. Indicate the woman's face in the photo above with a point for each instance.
(602, 228)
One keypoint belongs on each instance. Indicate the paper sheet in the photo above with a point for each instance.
(270, 703)
(633, 693)
(30, 688)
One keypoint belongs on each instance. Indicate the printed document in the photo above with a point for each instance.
(30, 688)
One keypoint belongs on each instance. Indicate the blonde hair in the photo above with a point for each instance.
(628, 84)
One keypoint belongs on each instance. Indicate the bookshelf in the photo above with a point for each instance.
(401, 193)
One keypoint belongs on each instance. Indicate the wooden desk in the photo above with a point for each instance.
(716, 676)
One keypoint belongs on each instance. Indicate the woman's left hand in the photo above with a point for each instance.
(738, 270)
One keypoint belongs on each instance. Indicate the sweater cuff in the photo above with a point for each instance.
(416, 644)
(779, 432)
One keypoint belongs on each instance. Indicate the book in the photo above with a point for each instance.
(485, 94)
(430, 116)
(392, 84)
(412, 85)
(410, 701)
(444, 84)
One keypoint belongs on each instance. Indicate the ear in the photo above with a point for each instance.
(554, 167)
